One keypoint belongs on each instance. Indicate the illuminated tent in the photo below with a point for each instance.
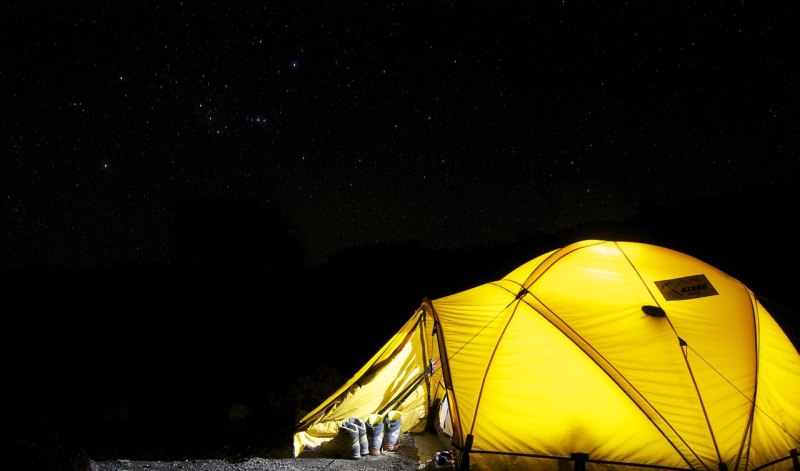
(598, 355)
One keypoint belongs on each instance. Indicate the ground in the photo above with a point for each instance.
(404, 458)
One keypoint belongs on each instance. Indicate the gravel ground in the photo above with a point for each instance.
(404, 458)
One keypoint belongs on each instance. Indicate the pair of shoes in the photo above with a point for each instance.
(441, 460)
(383, 432)
(346, 443)
(357, 438)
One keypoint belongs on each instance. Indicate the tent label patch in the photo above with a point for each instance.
(687, 287)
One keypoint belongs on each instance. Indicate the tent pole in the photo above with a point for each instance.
(463, 464)
(405, 393)
(580, 460)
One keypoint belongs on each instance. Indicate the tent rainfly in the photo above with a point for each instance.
(600, 355)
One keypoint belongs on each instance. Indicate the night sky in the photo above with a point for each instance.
(328, 164)
(446, 124)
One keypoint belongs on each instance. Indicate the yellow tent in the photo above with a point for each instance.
(598, 355)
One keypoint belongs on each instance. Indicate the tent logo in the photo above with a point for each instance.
(687, 287)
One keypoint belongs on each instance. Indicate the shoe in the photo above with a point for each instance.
(345, 444)
(442, 460)
(374, 427)
(362, 434)
(391, 429)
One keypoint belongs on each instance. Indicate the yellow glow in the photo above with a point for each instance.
(575, 366)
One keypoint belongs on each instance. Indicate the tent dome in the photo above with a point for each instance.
(599, 355)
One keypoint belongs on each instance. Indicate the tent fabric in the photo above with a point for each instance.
(599, 355)
(389, 381)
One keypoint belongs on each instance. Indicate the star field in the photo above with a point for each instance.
(447, 124)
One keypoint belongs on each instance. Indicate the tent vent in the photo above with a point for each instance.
(654, 311)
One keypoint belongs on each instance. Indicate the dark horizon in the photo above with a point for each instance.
(224, 281)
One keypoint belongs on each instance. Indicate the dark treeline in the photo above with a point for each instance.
(216, 353)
